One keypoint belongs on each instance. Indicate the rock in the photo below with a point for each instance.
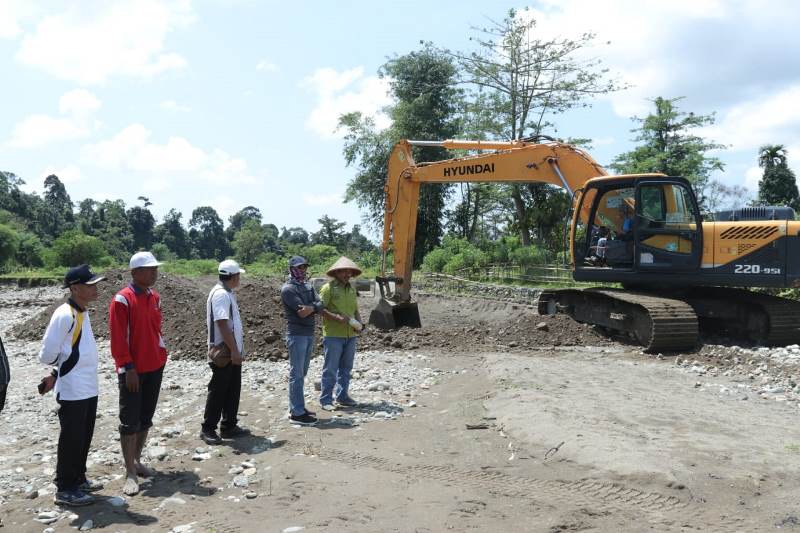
(251, 495)
(241, 481)
(317, 385)
(87, 525)
(201, 456)
(157, 452)
(512, 344)
(31, 494)
(542, 326)
(116, 501)
(293, 529)
(234, 470)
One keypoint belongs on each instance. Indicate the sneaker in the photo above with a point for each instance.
(304, 420)
(347, 402)
(73, 498)
(312, 413)
(90, 486)
(328, 407)
(210, 437)
(234, 432)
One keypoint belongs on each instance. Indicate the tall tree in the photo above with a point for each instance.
(240, 218)
(426, 106)
(294, 235)
(670, 146)
(56, 217)
(778, 185)
(172, 234)
(142, 222)
(113, 229)
(522, 80)
(207, 235)
(330, 232)
(249, 242)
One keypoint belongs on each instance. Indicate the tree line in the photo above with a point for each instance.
(51, 231)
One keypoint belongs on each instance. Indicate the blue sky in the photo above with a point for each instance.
(234, 103)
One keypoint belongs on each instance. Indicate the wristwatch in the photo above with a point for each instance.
(123, 369)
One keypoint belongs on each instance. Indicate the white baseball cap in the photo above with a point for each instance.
(143, 259)
(230, 267)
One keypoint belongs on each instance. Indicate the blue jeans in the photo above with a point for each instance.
(300, 349)
(339, 355)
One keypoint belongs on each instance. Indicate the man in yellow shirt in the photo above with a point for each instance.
(339, 329)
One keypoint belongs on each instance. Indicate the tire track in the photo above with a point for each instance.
(602, 496)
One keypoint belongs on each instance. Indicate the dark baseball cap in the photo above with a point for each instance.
(297, 260)
(81, 274)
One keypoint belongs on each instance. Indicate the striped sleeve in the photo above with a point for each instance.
(119, 329)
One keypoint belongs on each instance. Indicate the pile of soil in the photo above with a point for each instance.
(457, 323)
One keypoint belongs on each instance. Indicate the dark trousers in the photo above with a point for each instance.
(136, 409)
(223, 397)
(3, 389)
(77, 428)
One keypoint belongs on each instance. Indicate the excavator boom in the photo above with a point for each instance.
(556, 163)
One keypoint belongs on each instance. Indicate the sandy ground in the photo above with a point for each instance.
(541, 439)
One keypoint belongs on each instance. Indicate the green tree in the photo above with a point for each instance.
(778, 185)
(173, 235)
(74, 248)
(30, 252)
(520, 81)
(9, 242)
(249, 242)
(669, 146)
(142, 222)
(330, 232)
(207, 234)
(56, 217)
(240, 218)
(113, 230)
(426, 106)
(294, 235)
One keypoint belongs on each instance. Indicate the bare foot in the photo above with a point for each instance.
(131, 486)
(144, 471)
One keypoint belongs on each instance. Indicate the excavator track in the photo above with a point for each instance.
(658, 323)
(762, 318)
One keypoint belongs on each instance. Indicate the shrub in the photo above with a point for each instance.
(74, 248)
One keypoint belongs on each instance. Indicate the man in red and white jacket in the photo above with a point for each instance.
(137, 345)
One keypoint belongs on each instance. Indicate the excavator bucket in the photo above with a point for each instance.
(393, 315)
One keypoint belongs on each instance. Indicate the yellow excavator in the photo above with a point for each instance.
(679, 273)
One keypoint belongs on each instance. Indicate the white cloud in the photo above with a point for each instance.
(126, 38)
(266, 66)
(172, 105)
(752, 176)
(68, 174)
(771, 119)
(322, 200)
(12, 15)
(132, 150)
(77, 121)
(344, 92)
(717, 53)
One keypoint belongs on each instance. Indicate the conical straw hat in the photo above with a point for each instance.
(341, 264)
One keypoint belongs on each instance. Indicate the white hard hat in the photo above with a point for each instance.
(143, 259)
(229, 267)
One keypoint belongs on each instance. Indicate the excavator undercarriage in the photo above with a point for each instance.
(664, 321)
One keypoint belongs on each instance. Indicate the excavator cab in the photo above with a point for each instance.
(640, 225)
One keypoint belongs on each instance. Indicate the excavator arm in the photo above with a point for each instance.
(556, 163)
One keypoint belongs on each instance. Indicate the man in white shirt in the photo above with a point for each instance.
(225, 336)
(69, 345)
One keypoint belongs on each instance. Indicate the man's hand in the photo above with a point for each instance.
(132, 380)
(47, 384)
(304, 310)
(236, 357)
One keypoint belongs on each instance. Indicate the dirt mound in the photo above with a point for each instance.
(448, 322)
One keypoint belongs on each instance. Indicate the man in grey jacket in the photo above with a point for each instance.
(300, 304)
